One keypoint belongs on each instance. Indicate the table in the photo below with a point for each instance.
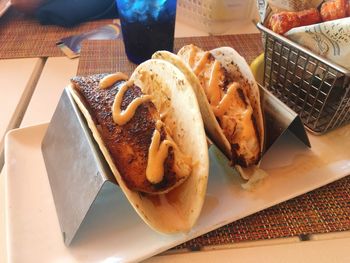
(43, 80)
(17, 81)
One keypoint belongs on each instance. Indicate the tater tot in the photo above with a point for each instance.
(334, 9)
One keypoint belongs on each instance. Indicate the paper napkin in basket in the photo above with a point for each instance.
(329, 39)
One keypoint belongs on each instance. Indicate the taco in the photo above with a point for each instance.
(229, 100)
(151, 133)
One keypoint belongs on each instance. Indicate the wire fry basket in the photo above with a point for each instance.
(315, 88)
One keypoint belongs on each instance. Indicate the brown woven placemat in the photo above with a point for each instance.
(108, 55)
(22, 36)
(324, 210)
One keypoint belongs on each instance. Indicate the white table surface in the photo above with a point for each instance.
(54, 77)
(17, 82)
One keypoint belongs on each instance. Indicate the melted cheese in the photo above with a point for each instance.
(201, 63)
(158, 152)
(243, 113)
(121, 117)
(214, 90)
(244, 131)
(227, 100)
(192, 56)
(235, 114)
(247, 124)
(109, 80)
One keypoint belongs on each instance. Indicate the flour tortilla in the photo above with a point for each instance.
(212, 127)
(235, 65)
(179, 209)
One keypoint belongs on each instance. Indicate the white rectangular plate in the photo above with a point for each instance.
(112, 231)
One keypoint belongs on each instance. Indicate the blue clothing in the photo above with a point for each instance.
(71, 12)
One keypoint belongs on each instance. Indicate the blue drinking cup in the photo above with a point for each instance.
(147, 26)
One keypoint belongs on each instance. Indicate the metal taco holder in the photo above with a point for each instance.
(76, 169)
(314, 87)
(78, 172)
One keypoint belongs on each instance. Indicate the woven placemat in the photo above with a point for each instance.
(324, 210)
(22, 36)
(109, 56)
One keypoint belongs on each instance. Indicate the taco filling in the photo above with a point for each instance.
(229, 101)
(151, 134)
(132, 130)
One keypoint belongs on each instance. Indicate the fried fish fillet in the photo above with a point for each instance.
(129, 144)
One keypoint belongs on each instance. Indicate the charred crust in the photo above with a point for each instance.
(242, 97)
(236, 158)
(211, 57)
(258, 136)
(128, 145)
(227, 79)
(234, 154)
